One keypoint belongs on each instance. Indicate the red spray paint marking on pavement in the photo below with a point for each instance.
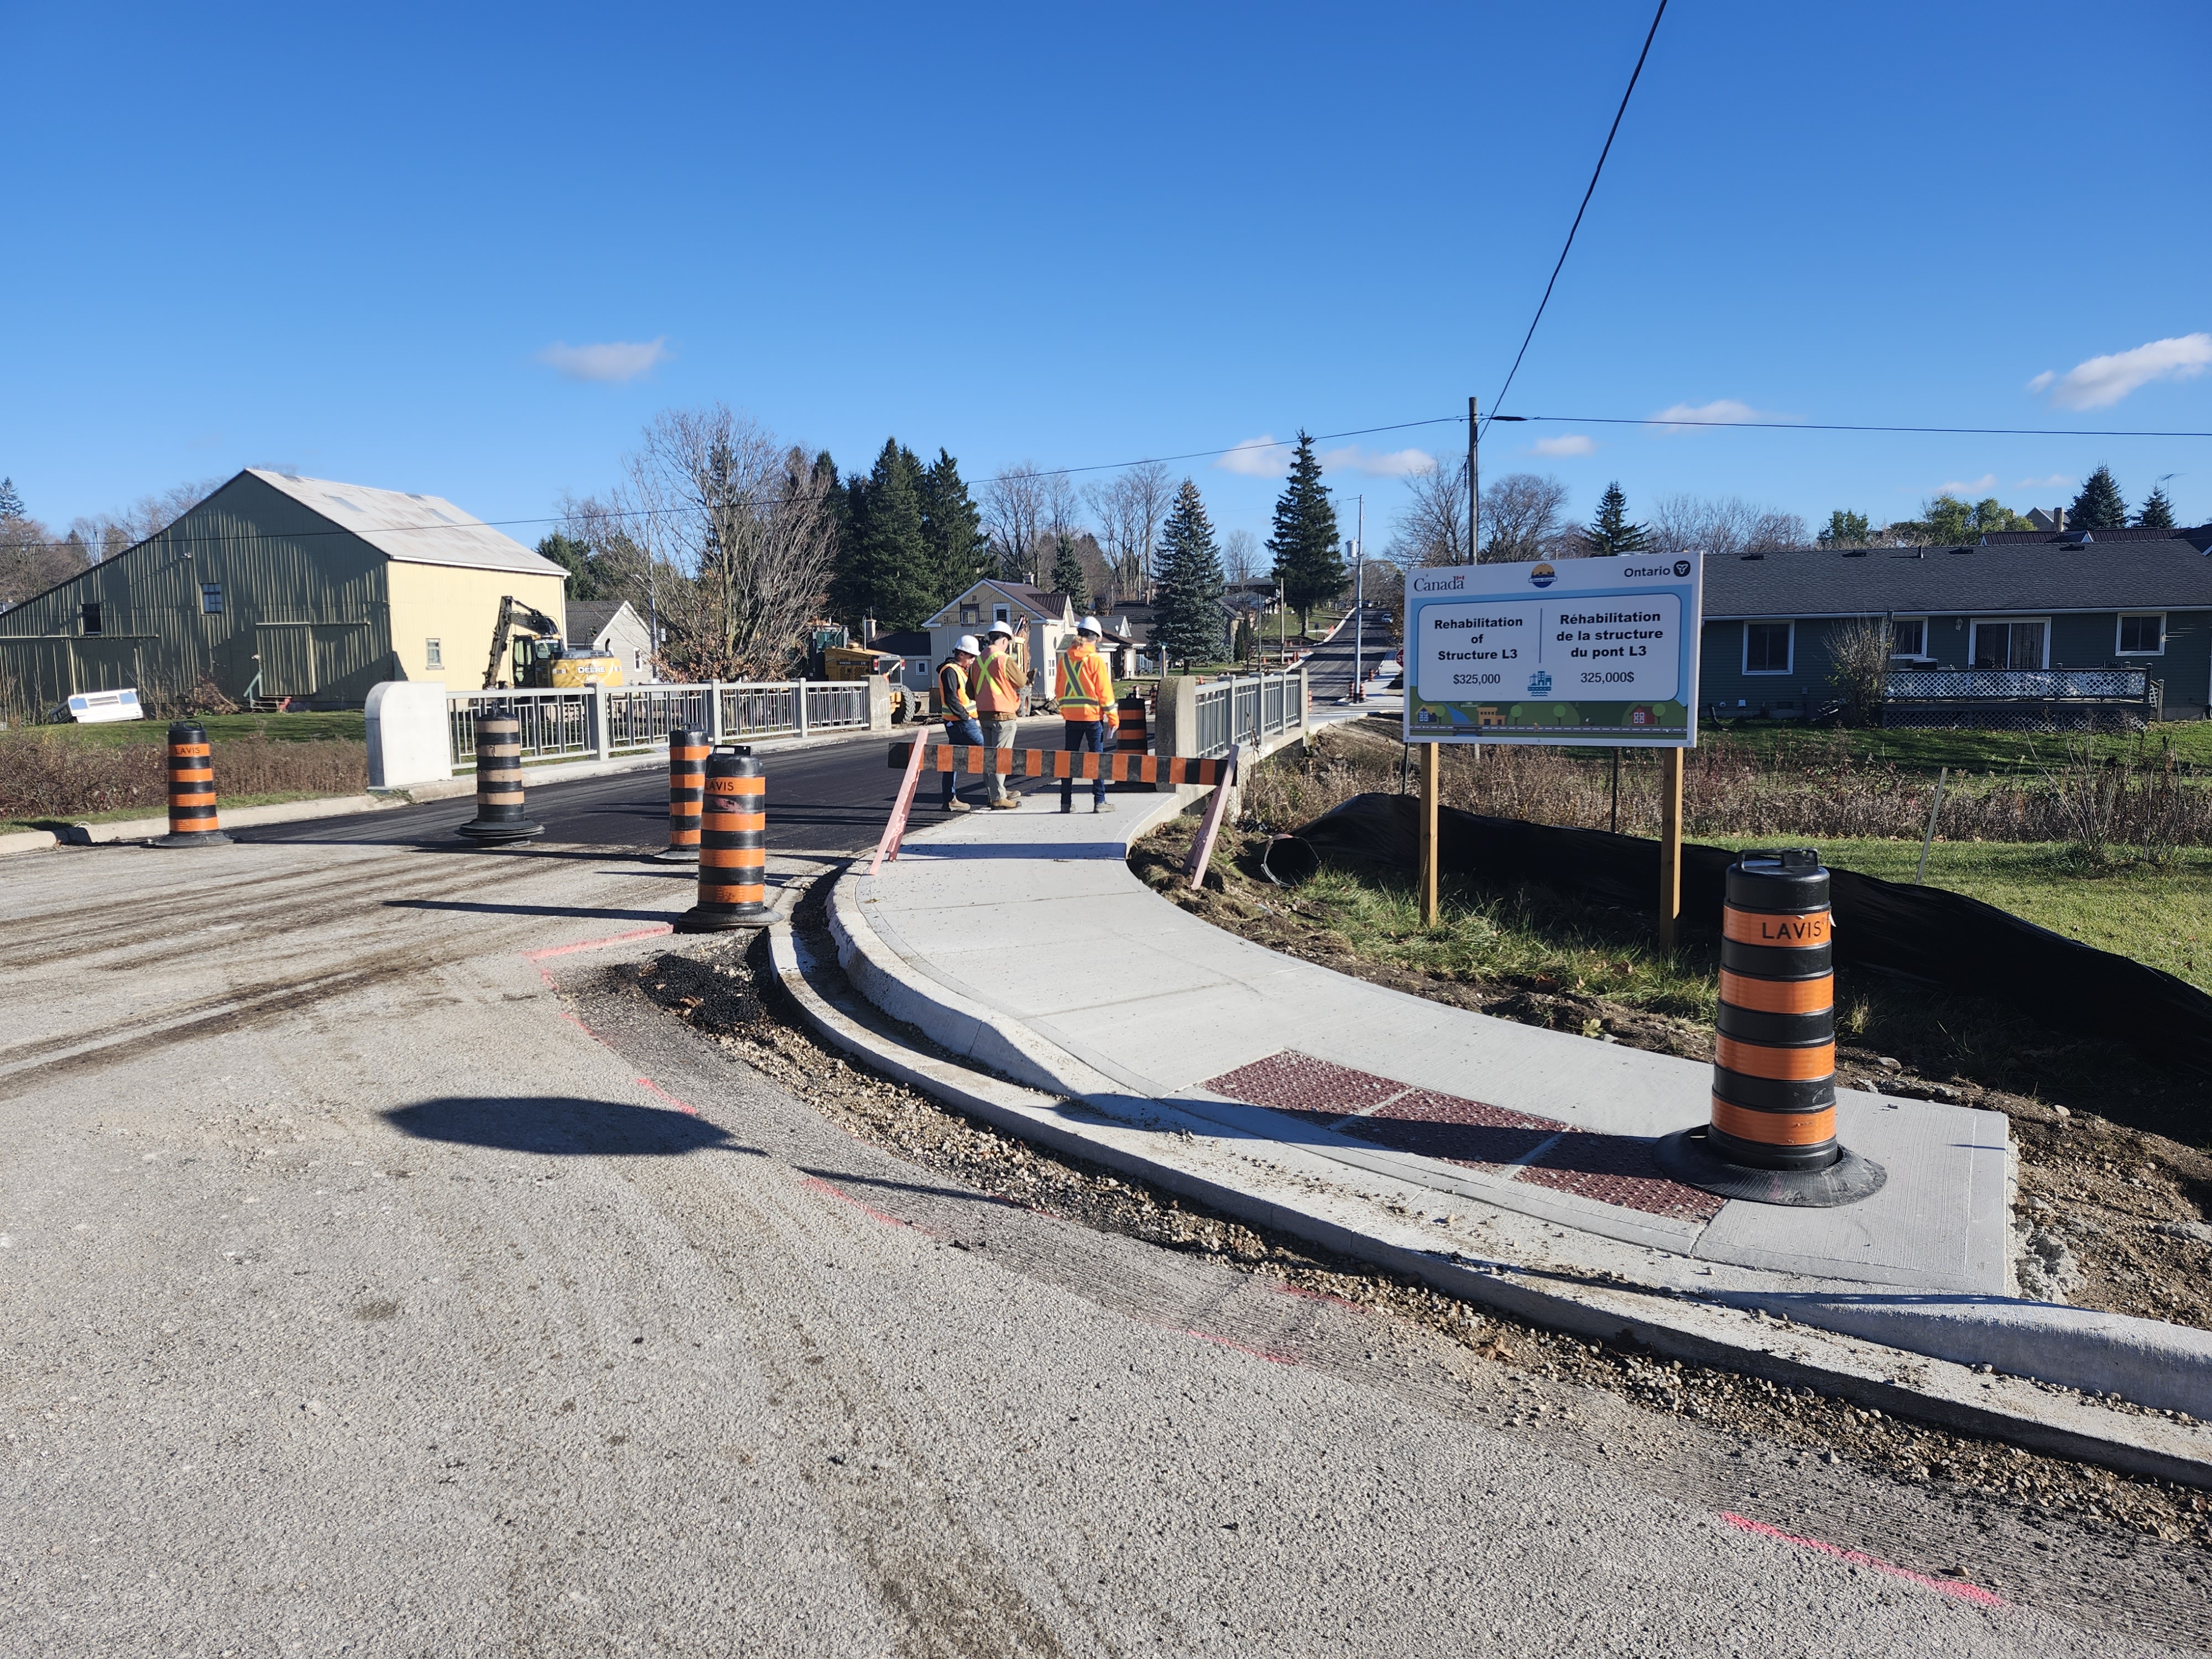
(598, 943)
(647, 1083)
(847, 1197)
(1965, 1592)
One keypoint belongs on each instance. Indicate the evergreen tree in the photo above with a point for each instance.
(574, 557)
(11, 504)
(1187, 614)
(1242, 650)
(1068, 576)
(2099, 506)
(884, 568)
(1308, 564)
(953, 528)
(1846, 529)
(2157, 512)
(1611, 534)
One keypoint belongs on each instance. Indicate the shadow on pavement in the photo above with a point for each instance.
(484, 909)
(562, 1126)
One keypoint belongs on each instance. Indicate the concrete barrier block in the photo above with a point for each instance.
(408, 740)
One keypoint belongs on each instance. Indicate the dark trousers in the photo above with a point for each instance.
(959, 732)
(1085, 735)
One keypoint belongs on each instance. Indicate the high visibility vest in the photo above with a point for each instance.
(1086, 691)
(998, 683)
(952, 691)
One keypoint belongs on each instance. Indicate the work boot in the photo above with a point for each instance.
(957, 805)
(1005, 802)
(1101, 805)
(1066, 805)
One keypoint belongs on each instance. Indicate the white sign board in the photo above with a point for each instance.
(90, 708)
(1600, 652)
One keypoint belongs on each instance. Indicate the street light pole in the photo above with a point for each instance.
(1358, 617)
(1474, 490)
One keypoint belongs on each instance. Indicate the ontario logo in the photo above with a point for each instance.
(1543, 575)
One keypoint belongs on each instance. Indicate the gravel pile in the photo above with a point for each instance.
(714, 986)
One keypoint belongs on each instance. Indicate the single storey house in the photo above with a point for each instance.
(279, 586)
(614, 628)
(2024, 601)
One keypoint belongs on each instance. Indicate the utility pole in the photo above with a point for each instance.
(1474, 490)
(1359, 601)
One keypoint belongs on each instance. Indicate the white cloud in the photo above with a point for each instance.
(1571, 443)
(2103, 381)
(1262, 457)
(2055, 481)
(1398, 463)
(614, 359)
(1980, 486)
(1721, 411)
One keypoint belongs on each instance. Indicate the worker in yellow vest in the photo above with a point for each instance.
(999, 677)
(1086, 705)
(955, 693)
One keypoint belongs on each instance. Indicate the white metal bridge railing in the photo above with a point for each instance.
(606, 721)
(1249, 708)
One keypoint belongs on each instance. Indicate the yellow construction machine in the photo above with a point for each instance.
(542, 660)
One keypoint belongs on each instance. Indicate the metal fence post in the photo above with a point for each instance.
(601, 738)
(802, 708)
(715, 710)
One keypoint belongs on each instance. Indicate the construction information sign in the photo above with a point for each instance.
(1580, 651)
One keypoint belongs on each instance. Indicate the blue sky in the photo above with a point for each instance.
(355, 243)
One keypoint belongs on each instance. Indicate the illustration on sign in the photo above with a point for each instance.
(1604, 651)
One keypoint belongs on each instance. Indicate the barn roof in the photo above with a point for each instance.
(409, 528)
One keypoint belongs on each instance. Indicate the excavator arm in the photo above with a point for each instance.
(512, 611)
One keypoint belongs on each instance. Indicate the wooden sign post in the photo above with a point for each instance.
(1429, 753)
(1670, 846)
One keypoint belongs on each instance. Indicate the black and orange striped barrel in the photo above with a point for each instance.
(192, 821)
(732, 846)
(1135, 736)
(502, 812)
(1774, 1067)
(688, 747)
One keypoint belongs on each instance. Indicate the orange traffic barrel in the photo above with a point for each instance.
(733, 847)
(1773, 1120)
(1136, 737)
(688, 747)
(191, 790)
(501, 814)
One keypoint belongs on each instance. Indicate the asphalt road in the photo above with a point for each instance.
(1329, 669)
(382, 1277)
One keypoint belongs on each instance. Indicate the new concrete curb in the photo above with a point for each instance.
(1209, 1169)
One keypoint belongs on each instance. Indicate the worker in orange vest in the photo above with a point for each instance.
(955, 691)
(999, 677)
(1086, 705)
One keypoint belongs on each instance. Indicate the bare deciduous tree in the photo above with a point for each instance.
(1240, 558)
(104, 535)
(1720, 528)
(1431, 527)
(1014, 509)
(1131, 506)
(1524, 517)
(742, 524)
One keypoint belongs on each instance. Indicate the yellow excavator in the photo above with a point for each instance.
(542, 661)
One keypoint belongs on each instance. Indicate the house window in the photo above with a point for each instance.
(1766, 646)
(2143, 634)
(1908, 637)
(210, 599)
(2011, 645)
(998, 613)
(971, 614)
(433, 654)
(89, 619)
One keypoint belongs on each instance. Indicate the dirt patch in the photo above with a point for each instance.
(2115, 1188)
(716, 987)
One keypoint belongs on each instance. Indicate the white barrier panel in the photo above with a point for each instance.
(407, 738)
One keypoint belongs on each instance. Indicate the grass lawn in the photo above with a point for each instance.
(2160, 916)
(1970, 751)
(302, 727)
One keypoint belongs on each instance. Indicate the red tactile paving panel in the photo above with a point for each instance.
(1315, 1090)
(1618, 1169)
(1458, 1131)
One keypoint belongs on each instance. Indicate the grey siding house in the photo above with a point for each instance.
(2096, 600)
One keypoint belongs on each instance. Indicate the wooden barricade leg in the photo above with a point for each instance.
(895, 827)
(1201, 852)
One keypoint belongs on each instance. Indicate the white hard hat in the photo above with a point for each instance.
(967, 643)
(1001, 626)
(1089, 625)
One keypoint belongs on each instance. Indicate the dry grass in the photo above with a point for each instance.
(2135, 806)
(43, 777)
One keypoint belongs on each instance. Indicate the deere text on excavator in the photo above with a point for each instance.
(542, 660)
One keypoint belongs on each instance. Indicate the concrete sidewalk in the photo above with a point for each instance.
(1366, 1118)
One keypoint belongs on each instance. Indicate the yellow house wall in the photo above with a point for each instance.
(460, 609)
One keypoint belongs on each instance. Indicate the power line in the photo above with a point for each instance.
(1821, 426)
(1499, 402)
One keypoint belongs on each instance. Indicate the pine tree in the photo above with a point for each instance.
(884, 568)
(11, 504)
(574, 557)
(2099, 506)
(1308, 564)
(1242, 650)
(953, 528)
(2157, 512)
(1068, 576)
(1846, 529)
(1611, 534)
(1187, 613)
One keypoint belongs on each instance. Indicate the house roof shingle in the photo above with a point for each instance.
(1818, 581)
